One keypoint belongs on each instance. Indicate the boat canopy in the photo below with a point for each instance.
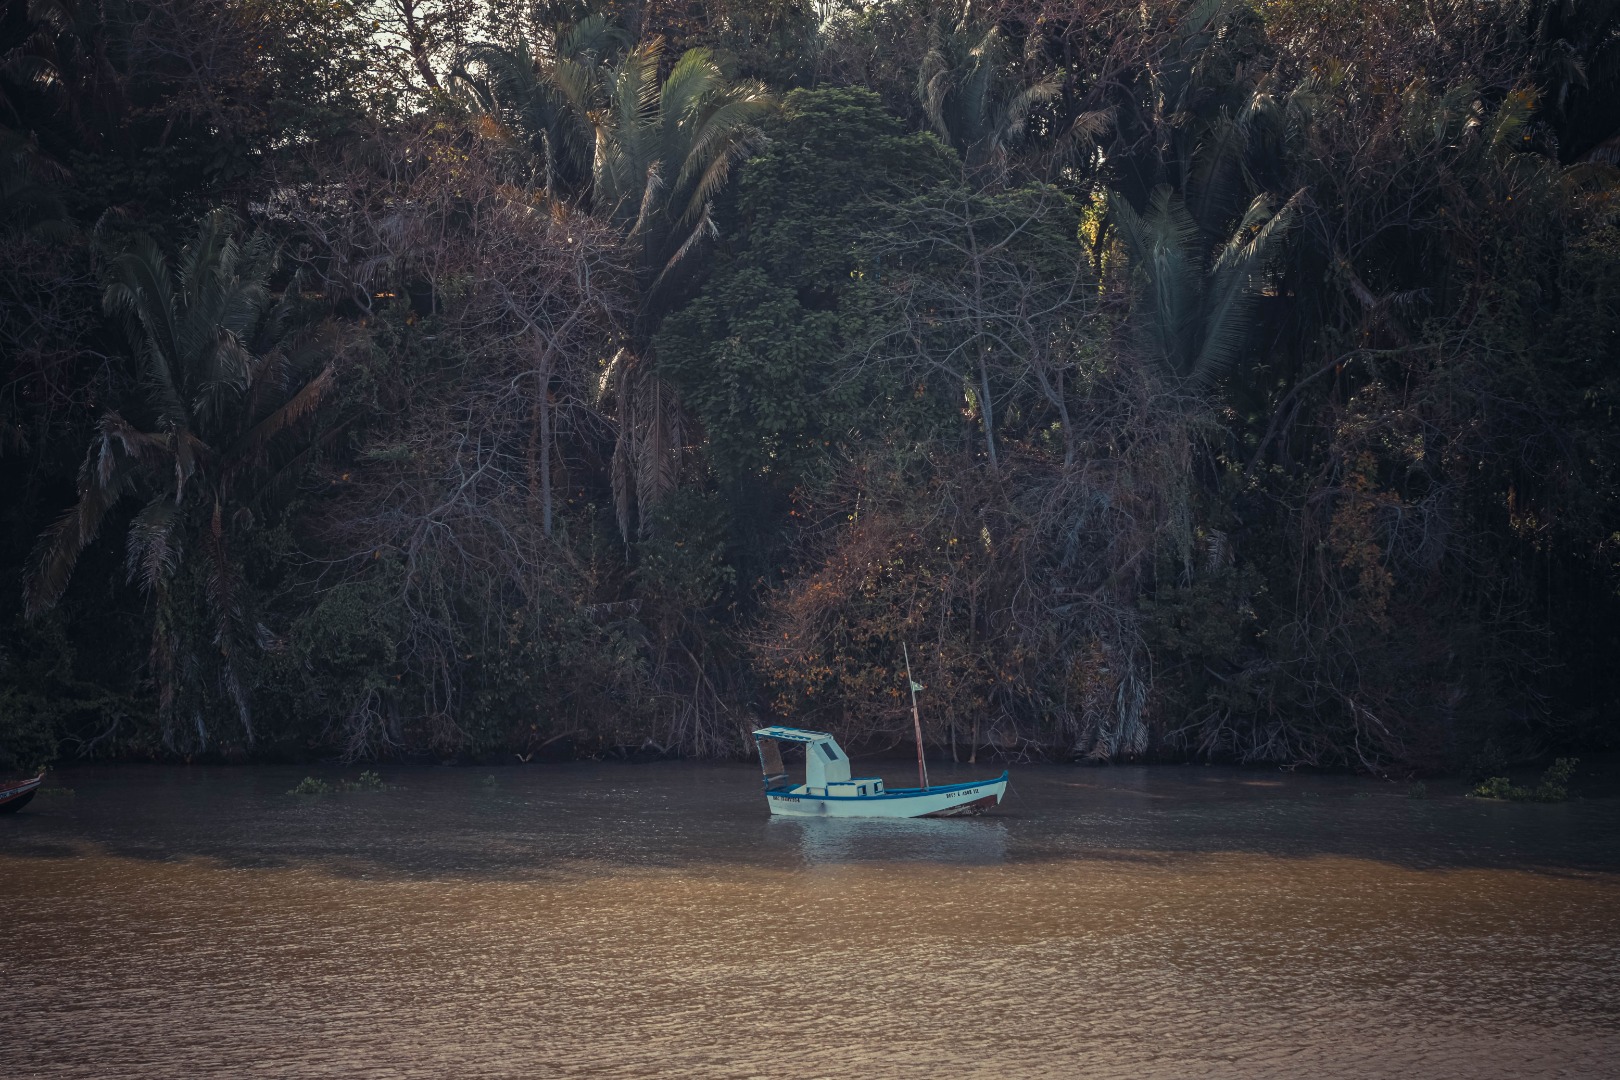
(792, 734)
(824, 760)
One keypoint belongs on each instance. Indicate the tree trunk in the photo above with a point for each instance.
(545, 451)
(416, 38)
(985, 413)
(539, 450)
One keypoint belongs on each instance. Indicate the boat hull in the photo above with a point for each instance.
(954, 800)
(15, 796)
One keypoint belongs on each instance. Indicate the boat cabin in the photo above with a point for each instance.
(826, 766)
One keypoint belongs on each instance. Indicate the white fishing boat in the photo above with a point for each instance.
(830, 791)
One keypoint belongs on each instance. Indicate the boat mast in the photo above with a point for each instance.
(916, 719)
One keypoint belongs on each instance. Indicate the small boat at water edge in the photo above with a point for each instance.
(15, 794)
(830, 791)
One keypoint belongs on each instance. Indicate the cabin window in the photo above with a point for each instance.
(827, 748)
(863, 789)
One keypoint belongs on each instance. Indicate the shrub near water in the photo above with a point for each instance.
(1554, 785)
(367, 781)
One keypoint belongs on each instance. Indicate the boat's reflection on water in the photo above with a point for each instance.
(969, 840)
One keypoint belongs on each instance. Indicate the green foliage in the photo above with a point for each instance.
(340, 654)
(1198, 307)
(228, 385)
(1499, 787)
(28, 739)
(1553, 787)
(758, 355)
(545, 90)
(1205, 634)
(1210, 378)
(976, 96)
(984, 295)
(682, 564)
(647, 146)
(59, 694)
(1486, 762)
(648, 143)
(557, 668)
(366, 781)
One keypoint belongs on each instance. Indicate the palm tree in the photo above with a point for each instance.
(1199, 118)
(226, 382)
(975, 96)
(545, 91)
(660, 150)
(663, 151)
(1198, 304)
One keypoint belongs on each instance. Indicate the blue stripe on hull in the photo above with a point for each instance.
(890, 793)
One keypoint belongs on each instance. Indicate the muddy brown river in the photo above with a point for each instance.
(637, 921)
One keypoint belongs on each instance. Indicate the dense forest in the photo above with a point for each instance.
(1229, 379)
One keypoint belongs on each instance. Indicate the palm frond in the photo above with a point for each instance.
(651, 189)
(153, 546)
(104, 478)
(253, 442)
(620, 472)
(142, 298)
(934, 83)
(1232, 295)
(657, 447)
(227, 368)
(727, 134)
(1198, 315)
(1082, 136)
(703, 229)
(1216, 178)
(1511, 118)
(693, 79)
(190, 454)
(223, 587)
(593, 36)
(1016, 110)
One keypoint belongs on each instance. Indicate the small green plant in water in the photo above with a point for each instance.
(367, 781)
(489, 782)
(1497, 787)
(59, 791)
(1554, 785)
(1417, 789)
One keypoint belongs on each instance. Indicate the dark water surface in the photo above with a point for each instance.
(653, 921)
